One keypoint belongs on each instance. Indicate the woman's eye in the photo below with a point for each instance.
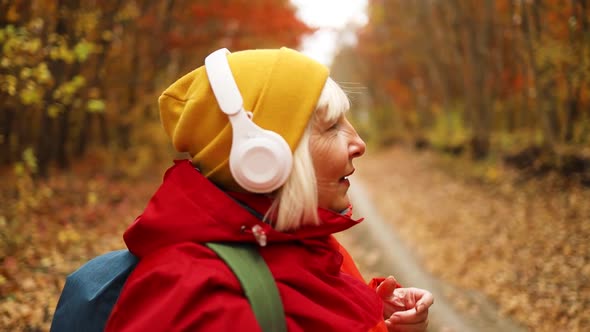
(336, 124)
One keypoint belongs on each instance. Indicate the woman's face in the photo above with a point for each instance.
(333, 145)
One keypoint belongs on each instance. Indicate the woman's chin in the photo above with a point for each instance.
(337, 207)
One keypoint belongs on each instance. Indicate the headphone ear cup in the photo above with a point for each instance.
(260, 160)
(262, 163)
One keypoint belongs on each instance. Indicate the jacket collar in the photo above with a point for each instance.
(187, 207)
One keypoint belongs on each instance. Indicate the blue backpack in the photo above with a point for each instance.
(90, 293)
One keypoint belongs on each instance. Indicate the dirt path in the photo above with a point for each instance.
(524, 245)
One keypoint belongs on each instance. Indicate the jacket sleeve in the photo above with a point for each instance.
(173, 290)
(349, 267)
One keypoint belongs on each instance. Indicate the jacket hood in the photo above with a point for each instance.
(187, 207)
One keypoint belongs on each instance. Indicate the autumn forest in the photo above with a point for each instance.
(486, 87)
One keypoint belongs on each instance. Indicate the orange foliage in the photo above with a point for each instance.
(244, 24)
(400, 92)
(394, 42)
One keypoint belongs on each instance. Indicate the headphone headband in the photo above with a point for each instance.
(222, 82)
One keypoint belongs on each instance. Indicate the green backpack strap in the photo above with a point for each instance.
(257, 282)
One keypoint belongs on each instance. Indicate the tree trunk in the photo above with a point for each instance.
(532, 34)
(63, 123)
(97, 82)
(579, 40)
(62, 137)
(84, 134)
(161, 54)
(44, 145)
(124, 126)
(7, 126)
(572, 113)
(477, 95)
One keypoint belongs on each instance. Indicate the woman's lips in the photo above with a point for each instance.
(345, 181)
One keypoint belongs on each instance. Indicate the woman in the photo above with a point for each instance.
(179, 284)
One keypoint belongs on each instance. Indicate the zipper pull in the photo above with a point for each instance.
(259, 235)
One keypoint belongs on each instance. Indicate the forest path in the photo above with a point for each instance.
(501, 251)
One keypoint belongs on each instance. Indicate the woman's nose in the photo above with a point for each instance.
(357, 146)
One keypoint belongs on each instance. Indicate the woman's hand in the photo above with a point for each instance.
(404, 309)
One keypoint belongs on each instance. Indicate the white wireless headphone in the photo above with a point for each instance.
(260, 160)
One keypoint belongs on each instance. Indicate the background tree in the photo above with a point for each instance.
(71, 70)
(488, 76)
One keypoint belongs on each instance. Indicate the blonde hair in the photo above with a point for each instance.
(296, 202)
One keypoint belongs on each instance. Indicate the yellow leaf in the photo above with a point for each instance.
(30, 159)
(19, 169)
(34, 45)
(53, 54)
(78, 81)
(53, 111)
(25, 73)
(62, 237)
(30, 96)
(492, 173)
(107, 35)
(68, 235)
(42, 73)
(46, 262)
(96, 106)
(92, 198)
(82, 50)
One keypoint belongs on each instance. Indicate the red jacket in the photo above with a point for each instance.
(181, 285)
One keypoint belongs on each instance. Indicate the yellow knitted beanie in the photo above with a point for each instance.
(280, 87)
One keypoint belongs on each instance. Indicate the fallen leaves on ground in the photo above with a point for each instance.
(523, 243)
(526, 244)
(50, 228)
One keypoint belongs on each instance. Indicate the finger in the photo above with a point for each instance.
(397, 327)
(409, 316)
(425, 299)
(386, 288)
(405, 297)
(389, 308)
